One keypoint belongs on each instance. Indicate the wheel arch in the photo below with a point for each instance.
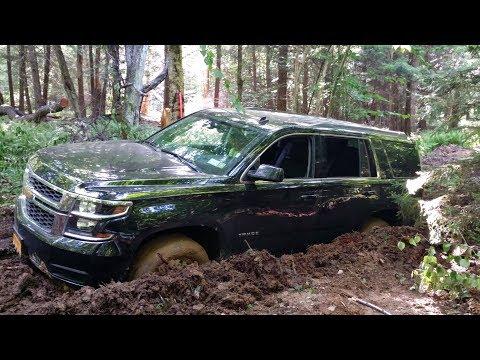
(208, 236)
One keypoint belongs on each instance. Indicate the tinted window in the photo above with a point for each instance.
(291, 154)
(403, 158)
(343, 157)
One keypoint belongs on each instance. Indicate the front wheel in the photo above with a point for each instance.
(169, 247)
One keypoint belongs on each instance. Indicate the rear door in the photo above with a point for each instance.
(346, 185)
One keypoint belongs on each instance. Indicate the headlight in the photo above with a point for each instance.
(86, 218)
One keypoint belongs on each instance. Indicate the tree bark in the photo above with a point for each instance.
(97, 92)
(268, 75)
(216, 94)
(67, 80)
(296, 81)
(135, 56)
(23, 75)
(106, 76)
(46, 73)
(81, 90)
(254, 68)
(91, 66)
(410, 97)
(117, 107)
(2, 100)
(37, 87)
(305, 81)
(239, 72)
(21, 81)
(10, 76)
(337, 78)
(166, 89)
(176, 80)
(282, 78)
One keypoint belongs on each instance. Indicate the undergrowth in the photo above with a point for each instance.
(19, 140)
(430, 140)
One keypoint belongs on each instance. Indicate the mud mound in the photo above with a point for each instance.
(446, 154)
(252, 282)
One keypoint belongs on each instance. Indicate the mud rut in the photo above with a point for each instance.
(321, 281)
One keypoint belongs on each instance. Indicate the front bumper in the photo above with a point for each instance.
(74, 261)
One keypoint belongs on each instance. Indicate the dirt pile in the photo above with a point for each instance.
(319, 281)
(446, 154)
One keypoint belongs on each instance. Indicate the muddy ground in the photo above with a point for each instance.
(321, 281)
(324, 280)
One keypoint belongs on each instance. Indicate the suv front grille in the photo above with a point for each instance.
(39, 216)
(45, 190)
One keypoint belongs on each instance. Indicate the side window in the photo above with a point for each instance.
(343, 157)
(292, 154)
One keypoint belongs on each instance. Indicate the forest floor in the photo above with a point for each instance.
(324, 280)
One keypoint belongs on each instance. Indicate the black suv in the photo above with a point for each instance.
(214, 183)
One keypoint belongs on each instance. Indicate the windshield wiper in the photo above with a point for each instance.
(181, 158)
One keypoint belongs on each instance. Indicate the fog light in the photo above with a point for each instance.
(87, 207)
(86, 224)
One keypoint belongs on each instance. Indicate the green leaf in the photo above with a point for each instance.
(446, 247)
(464, 263)
(217, 73)
(401, 245)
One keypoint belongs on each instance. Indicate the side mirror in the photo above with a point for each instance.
(267, 172)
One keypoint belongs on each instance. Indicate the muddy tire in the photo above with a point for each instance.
(169, 247)
(373, 222)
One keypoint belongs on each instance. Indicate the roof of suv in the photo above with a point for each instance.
(280, 120)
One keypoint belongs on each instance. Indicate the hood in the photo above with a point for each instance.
(105, 162)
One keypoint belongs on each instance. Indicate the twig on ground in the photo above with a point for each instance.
(366, 303)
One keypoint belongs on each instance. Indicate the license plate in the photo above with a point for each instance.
(17, 243)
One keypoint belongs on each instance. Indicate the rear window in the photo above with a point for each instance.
(403, 158)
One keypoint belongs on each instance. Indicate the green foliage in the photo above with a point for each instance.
(430, 140)
(408, 207)
(19, 140)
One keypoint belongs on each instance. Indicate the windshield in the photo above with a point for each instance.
(211, 145)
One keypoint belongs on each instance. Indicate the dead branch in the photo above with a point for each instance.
(366, 303)
(38, 115)
(156, 81)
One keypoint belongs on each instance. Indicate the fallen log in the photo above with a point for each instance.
(38, 115)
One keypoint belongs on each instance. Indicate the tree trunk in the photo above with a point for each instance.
(268, 75)
(166, 89)
(117, 108)
(81, 90)
(106, 75)
(296, 81)
(46, 73)
(335, 83)
(216, 94)
(135, 56)
(21, 82)
(239, 72)
(254, 68)
(10, 76)
(91, 66)
(410, 97)
(282, 78)
(67, 80)
(2, 100)
(97, 93)
(305, 81)
(176, 81)
(23, 75)
(37, 87)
